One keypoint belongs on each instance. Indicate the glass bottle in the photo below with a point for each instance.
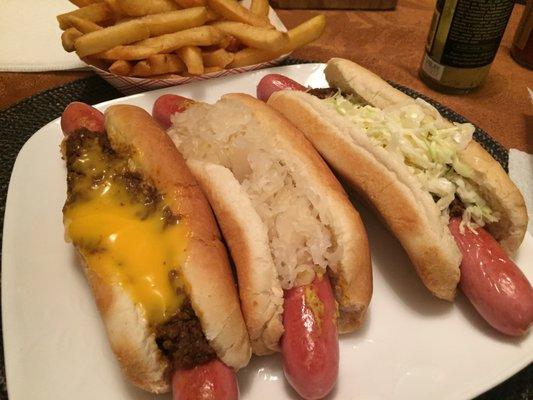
(463, 39)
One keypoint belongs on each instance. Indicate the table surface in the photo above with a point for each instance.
(391, 44)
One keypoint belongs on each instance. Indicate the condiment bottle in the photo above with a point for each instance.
(522, 48)
(463, 39)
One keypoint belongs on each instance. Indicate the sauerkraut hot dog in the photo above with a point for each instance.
(152, 254)
(299, 247)
(420, 173)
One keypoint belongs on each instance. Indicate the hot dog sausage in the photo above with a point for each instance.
(274, 82)
(167, 105)
(310, 345)
(493, 283)
(80, 115)
(210, 381)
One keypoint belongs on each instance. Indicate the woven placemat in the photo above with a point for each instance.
(22, 120)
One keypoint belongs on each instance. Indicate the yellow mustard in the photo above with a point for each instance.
(315, 305)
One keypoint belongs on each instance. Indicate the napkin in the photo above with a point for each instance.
(521, 173)
(30, 38)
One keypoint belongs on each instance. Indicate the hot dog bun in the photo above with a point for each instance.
(388, 186)
(243, 127)
(205, 269)
(493, 182)
(260, 291)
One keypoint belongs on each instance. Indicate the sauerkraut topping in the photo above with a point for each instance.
(301, 243)
(417, 135)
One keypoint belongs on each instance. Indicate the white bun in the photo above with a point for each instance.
(207, 272)
(489, 177)
(246, 234)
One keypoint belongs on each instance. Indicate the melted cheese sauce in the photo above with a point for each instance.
(127, 239)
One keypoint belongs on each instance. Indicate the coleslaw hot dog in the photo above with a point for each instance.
(138, 230)
(435, 175)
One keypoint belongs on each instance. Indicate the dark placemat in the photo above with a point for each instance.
(19, 122)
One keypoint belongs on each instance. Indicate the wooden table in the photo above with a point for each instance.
(391, 44)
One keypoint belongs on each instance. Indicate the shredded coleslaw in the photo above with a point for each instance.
(417, 135)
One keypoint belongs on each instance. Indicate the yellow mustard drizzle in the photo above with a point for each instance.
(315, 305)
(137, 246)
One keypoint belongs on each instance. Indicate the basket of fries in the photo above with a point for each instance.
(140, 45)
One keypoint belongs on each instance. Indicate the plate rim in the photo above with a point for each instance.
(474, 390)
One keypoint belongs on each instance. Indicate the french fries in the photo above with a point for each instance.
(231, 44)
(174, 21)
(305, 33)
(82, 25)
(138, 29)
(211, 15)
(68, 37)
(299, 36)
(95, 12)
(105, 39)
(217, 58)
(147, 38)
(234, 11)
(158, 64)
(260, 8)
(192, 57)
(190, 3)
(251, 56)
(121, 67)
(139, 8)
(83, 3)
(199, 36)
(208, 70)
(114, 6)
(259, 38)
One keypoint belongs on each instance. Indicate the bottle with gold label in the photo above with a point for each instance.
(463, 39)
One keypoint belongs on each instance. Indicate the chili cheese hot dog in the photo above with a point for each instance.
(418, 170)
(152, 254)
(299, 246)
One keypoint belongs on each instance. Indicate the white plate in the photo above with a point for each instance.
(412, 346)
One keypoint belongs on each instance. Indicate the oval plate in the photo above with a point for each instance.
(411, 346)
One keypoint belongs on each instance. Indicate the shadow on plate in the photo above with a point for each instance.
(389, 258)
(269, 368)
(474, 319)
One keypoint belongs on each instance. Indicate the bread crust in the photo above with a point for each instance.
(259, 287)
(352, 78)
(130, 336)
(502, 195)
(245, 232)
(206, 270)
(407, 211)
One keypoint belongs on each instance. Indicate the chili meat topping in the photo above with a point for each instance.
(95, 168)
